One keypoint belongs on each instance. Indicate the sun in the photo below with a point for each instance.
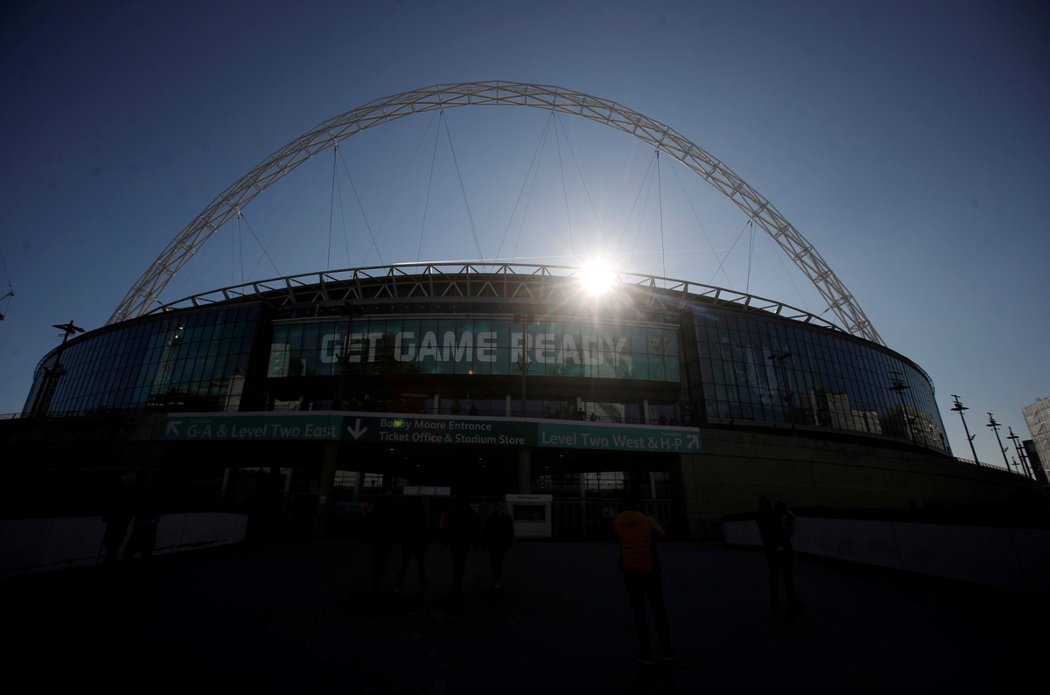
(596, 276)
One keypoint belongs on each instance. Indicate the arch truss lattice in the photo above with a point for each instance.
(146, 291)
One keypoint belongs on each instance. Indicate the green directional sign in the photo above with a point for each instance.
(680, 440)
(247, 428)
(433, 430)
(438, 430)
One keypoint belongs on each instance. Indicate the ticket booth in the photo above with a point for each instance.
(531, 514)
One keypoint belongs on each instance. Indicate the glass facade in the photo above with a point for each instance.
(774, 372)
(718, 366)
(196, 361)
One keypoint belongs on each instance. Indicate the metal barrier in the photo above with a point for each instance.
(591, 519)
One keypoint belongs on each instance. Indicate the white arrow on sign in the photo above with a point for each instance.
(694, 441)
(173, 428)
(356, 431)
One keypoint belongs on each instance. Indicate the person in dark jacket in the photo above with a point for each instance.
(143, 538)
(382, 527)
(641, 572)
(413, 538)
(776, 523)
(768, 528)
(460, 530)
(498, 537)
(117, 521)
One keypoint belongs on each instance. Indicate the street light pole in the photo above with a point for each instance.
(995, 428)
(9, 294)
(523, 358)
(959, 408)
(1021, 454)
(52, 374)
(899, 385)
(777, 358)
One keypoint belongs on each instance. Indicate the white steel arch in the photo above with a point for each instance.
(227, 204)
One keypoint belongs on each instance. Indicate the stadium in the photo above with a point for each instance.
(553, 387)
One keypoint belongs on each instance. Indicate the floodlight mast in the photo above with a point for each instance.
(958, 407)
(1021, 455)
(1002, 449)
(54, 372)
(146, 291)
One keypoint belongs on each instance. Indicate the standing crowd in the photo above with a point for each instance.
(410, 523)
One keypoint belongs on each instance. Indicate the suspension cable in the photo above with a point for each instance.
(331, 204)
(240, 215)
(583, 182)
(696, 215)
(239, 241)
(430, 181)
(634, 204)
(780, 258)
(528, 201)
(565, 191)
(400, 185)
(660, 204)
(364, 215)
(524, 183)
(750, 255)
(730, 251)
(6, 299)
(641, 217)
(463, 190)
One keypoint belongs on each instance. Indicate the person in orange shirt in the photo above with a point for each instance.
(641, 572)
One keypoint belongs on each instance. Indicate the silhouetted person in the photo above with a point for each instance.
(768, 527)
(780, 527)
(498, 536)
(382, 528)
(143, 538)
(117, 521)
(412, 536)
(640, 565)
(461, 529)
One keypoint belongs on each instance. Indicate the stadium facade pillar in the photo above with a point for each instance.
(325, 487)
(524, 471)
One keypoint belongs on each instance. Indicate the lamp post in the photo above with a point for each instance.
(343, 358)
(959, 408)
(1021, 454)
(995, 428)
(523, 357)
(777, 358)
(898, 384)
(12, 294)
(52, 374)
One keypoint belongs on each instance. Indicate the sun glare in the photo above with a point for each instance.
(596, 277)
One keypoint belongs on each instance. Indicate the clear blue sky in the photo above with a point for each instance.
(909, 142)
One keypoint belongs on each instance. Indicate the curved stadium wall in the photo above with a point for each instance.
(693, 359)
(781, 402)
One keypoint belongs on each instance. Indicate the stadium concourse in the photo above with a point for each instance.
(297, 617)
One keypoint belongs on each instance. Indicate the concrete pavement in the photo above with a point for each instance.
(297, 618)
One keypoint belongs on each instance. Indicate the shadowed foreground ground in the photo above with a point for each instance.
(296, 618)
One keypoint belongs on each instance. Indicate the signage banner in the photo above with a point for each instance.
(482, 346)
(435, 430)
(682, 440)
(246, 428)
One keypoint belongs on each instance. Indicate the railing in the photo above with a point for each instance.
(991, 465)
(591, 519)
